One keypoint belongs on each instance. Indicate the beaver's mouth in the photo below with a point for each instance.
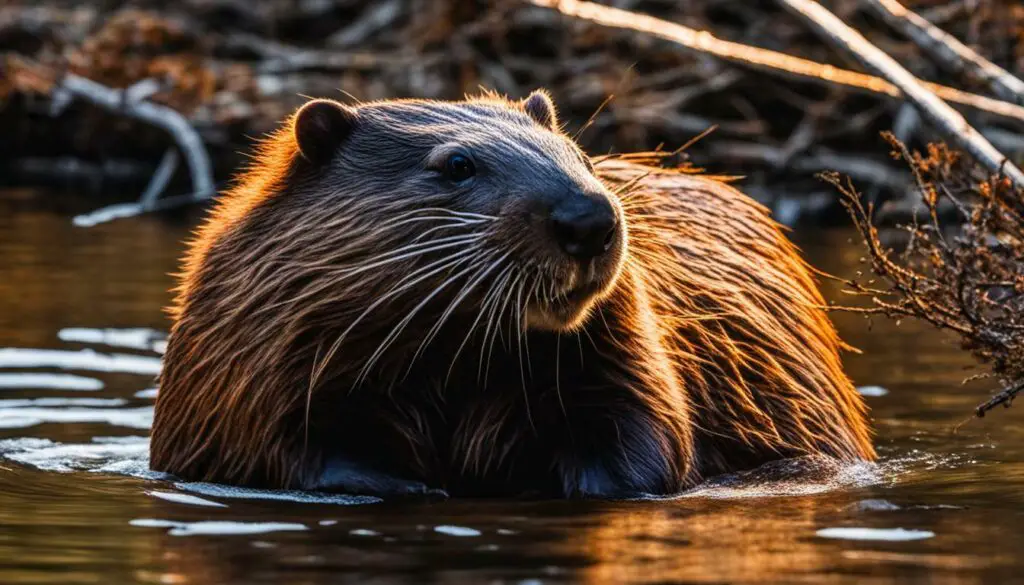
(567, 310)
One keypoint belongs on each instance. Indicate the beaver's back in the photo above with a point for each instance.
(753, 344)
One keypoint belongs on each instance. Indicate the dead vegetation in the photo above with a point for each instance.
(233, 69)
(964, 276)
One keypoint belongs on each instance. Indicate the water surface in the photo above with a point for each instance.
(77, 505)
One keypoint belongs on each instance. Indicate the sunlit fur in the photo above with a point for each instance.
(362, 311)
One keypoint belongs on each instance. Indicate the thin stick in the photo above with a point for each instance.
(1003, 398)
(942, 117)
(163, 175)
(768, 61)
(948, 50)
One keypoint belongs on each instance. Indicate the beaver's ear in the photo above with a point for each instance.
(540, 107)
(320, 127)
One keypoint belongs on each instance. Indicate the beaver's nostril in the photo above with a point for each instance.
(584, 230)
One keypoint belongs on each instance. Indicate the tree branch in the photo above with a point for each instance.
(948, 50)
(768, 61)
(948, 121)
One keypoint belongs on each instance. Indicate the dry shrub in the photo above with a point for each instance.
(968, 279)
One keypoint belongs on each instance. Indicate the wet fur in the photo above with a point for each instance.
(710, 353)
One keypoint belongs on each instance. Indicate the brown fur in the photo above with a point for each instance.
(710, 352)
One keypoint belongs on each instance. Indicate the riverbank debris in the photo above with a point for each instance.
(964, 276)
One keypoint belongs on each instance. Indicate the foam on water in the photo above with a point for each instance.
(34, 381)
(800, 476)
(85, 359)
(134, 338)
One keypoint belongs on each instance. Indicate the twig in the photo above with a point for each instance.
(948, 121)
(1004, 398)
(769, 61)
(948, 51)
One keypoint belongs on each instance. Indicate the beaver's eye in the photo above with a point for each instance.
(459, 168)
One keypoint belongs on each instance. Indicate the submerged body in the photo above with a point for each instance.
(408, 295)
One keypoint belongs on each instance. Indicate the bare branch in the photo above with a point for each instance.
(175, 124)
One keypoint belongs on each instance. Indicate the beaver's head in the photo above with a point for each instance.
(489, 191)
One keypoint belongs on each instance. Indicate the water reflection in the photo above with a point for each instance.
(78, 504)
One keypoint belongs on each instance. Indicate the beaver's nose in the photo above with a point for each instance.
(584, 225)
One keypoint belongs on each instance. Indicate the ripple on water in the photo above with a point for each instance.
(886, 534)
(37, 381)
(149, 393)
(85, 359)
(456, 530)
(226, 491)
(134, 338)
(185, 499)
(121, 455)
(872, 391)
(130, 456)
(132, 418)
(217, 527)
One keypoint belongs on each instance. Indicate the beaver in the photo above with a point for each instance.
(406, 296)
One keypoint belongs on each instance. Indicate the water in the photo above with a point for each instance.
(78, 505)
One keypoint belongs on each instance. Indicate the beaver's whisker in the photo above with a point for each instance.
(623, 188)
(426, 233)
(413, 213)
(579, 342)
(490, 307)
(494, 326)
(480, 314)
(403, 251)
(526, 338)
(454, 213)
(353, 270)
(558, 383)
(332, 267)
(592, 342)
(520, 309)
(460, 296)
(397, 329)
(409, 281)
